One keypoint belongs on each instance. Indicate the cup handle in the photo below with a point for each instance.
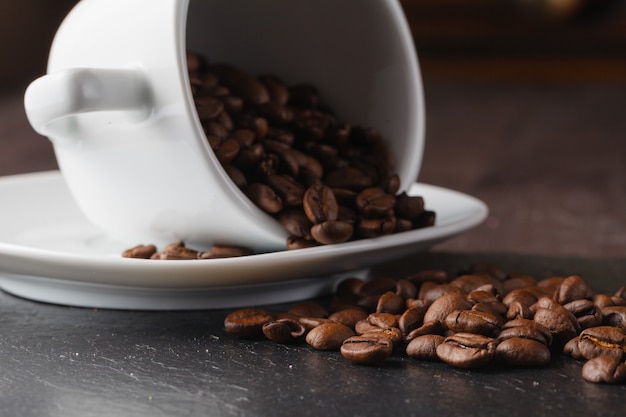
(63, 95)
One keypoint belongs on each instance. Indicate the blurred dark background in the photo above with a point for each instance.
(518, 40)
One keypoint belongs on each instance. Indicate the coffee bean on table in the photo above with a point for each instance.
(605, 369)
(523, 352)
(329, 336)
(424, 347)
(467, 350)
(248, 322)
(283, 330)
(366, 349)
(602, 341)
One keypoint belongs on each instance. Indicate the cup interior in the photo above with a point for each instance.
(358, 53)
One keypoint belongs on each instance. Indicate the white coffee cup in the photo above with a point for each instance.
(117, 105)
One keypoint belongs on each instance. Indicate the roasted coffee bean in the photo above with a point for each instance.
(602, 300)
(287, 188)
(140, 252)
(383, 320)
(374, 202)
(493, 309)
(392, 334)
(432, 327)
(470, 321)
(602, 341)
(332, 231)
(328, 336)
(371, 228)
(227, 151)
(522, 352)
(444, 305)
(523, 296)
(524, 332)
(176, 251)
(467, 350)
(614, 316)
(264, 197)
(390, 302)
(247, 322)
(555, 317)
(411, 319)
(408, 207)
(349, 316)
(586, 312)
(366, 349)
(572, 288)
(605, 369)
(484, 295)
(364, 326)
(208, 107)
(534, 328)
(283, 330)
(296, 223)
(517, 310)
(424, 347)
(319, 204)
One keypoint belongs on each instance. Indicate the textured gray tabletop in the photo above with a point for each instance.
(62, 361)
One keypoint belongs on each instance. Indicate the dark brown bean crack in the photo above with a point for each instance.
(289, 153)
(464, 321)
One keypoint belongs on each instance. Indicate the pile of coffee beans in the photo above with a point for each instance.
(481, 317)
(325, 180)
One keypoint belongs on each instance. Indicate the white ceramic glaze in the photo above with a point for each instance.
(117, 106)
(50, 252)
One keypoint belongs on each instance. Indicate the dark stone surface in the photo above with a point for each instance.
(62, 361)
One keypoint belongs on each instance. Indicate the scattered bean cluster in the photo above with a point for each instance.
(483, 316)
(325, 180)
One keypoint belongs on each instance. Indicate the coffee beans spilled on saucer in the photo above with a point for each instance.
(326, 181)
(481, 317)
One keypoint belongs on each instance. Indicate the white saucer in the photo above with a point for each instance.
(50, 252)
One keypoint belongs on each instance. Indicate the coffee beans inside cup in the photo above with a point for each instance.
(325, 180)
(482, 317)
